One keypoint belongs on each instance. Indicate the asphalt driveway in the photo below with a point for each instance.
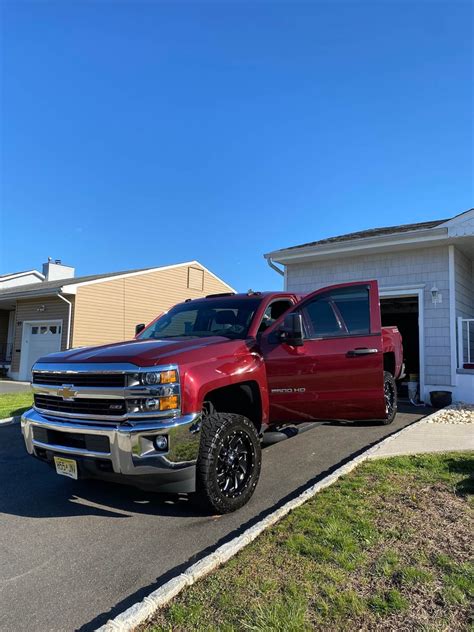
(73, 554)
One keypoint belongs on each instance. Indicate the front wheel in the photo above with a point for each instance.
(390, 395)
(229, 461)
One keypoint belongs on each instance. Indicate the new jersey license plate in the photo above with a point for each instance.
(66, 467)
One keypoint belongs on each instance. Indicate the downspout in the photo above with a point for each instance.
(273, 266)
(68, 334)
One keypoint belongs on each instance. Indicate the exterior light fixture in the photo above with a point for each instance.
(436, 296)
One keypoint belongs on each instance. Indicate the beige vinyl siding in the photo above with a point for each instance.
(108, 311)
(27, 310)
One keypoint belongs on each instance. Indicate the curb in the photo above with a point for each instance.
(7, 421)
(143, 610)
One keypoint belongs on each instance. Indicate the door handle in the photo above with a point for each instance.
(361, 352)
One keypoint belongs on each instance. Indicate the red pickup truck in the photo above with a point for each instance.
(184, 406)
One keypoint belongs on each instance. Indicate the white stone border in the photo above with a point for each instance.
(7, 421)
(141, 611)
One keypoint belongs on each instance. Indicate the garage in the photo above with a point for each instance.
(403, 312)
(39, 338)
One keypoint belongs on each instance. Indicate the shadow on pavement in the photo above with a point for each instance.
(31, 489)
(143, 592)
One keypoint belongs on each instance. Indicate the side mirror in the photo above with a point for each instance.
(139, 328)
(292, 330)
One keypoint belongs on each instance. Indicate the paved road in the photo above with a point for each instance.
(7, 386)
(75, 553)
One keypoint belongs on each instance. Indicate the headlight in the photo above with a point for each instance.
(151, 378)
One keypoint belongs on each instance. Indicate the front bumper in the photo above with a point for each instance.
(120, 452)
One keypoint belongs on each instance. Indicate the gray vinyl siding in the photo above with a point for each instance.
(424, 266)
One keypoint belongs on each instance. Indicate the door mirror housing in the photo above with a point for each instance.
(139, 328)
(291, 332)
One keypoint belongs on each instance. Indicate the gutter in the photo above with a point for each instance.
(69, 317)
(273, 266)
(359, 246)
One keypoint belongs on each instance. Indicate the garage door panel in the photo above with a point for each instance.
(41, 339)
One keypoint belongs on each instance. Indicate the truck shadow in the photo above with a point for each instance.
(404, 408)
(32, 489)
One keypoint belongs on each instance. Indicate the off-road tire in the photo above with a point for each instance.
(220, 432)
(390, 397)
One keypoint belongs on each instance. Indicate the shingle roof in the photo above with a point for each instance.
(49, 286)
(15, 274)
(373, 232)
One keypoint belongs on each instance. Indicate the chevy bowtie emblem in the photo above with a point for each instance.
(66, 392)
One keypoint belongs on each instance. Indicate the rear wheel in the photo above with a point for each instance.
(228, 466)
(390, 396)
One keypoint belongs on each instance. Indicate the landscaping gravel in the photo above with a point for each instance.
(459, 413)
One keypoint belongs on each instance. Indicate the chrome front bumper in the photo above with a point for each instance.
(131, 451)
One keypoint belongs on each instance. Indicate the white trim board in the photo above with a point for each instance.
(452, 313)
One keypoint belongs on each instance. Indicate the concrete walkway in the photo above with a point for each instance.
(429, 437)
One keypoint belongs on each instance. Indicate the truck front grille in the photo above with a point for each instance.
(82, 406)
(80, 379)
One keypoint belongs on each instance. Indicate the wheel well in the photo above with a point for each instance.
(242, 399)
(389, 362)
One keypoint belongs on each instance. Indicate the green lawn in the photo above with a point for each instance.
(387, 547)
(12, 404)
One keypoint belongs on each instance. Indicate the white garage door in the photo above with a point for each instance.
(39, 339)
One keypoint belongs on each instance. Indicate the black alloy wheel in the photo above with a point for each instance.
(235, 463)
(228, 466)
(390, 397)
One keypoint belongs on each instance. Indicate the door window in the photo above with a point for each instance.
(320, 318)
(340, 312)
(273, 312)
(354, 307)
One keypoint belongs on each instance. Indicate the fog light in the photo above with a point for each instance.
(161, 443)
(152, 404)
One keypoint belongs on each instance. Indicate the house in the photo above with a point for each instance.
(426, 280)
(54, 310)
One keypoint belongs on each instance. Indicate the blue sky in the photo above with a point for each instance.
(141, 134)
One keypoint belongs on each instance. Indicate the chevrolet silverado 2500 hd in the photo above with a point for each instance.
(183, 406)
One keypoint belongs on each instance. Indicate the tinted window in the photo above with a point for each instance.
(211, 317)
(320, 318)
(354, 307)
(341, 312)
(273, 312)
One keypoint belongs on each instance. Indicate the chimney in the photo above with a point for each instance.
(54, 270)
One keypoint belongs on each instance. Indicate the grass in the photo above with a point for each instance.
(12, 404)
(387, 547)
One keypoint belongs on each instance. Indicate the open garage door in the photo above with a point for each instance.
(403, 312)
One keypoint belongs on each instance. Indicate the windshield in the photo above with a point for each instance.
(213, 317)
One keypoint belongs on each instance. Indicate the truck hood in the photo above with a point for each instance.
(138, 352)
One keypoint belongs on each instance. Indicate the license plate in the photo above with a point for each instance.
(66, 467)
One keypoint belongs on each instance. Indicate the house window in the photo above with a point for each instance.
(196, 279)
